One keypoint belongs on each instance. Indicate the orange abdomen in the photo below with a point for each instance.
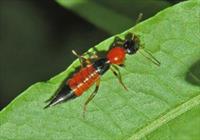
(83, 80)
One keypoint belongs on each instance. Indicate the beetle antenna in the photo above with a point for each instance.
(150, 57)
(139, 18)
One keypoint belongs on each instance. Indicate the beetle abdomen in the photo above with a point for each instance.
(83, 80)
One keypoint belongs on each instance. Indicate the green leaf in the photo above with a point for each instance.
(112, 16)
(162, 102)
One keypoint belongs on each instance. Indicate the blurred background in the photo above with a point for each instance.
(37, 36)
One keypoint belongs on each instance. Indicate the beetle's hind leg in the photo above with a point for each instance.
(91, 97)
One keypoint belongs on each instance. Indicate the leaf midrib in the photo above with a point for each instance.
(163, 119)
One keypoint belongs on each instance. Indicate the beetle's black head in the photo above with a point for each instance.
(131, 44)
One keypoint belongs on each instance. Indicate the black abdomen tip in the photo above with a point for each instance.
(63, 95)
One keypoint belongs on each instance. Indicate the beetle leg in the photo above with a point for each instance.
(84, 61)
(91, 97)
(117, 73)
(117, 42)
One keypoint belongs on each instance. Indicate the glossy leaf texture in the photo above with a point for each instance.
(161, 103)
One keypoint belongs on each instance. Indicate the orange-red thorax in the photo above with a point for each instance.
(116, 55)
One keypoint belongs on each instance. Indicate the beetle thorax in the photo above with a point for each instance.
(116, 55)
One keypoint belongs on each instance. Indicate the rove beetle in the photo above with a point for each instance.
(91, 72)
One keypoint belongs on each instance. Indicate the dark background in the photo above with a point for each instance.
(37, 36)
